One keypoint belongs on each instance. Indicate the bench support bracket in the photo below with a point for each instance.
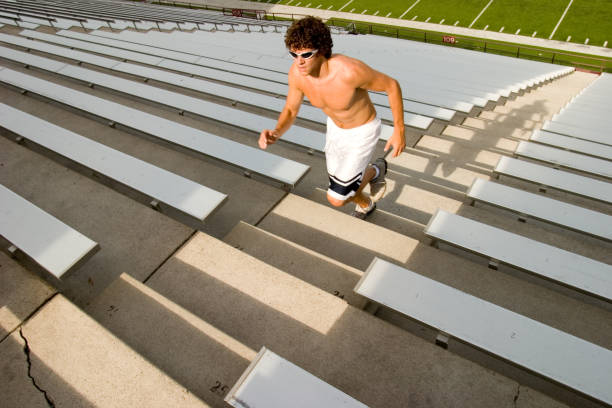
(442, 340)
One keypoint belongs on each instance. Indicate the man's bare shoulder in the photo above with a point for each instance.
(349, 67)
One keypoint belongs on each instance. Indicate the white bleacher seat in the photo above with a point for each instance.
(558, 179)
(49, 242)
(19, 23)
(542, 208)
(284, 171)
(548, 262)
(271, 381)
(256, 60)
(169, 189)
(417, 122)
(563, 158)
(572, 144)
(298, 135)
(578, 132)
(544, 350)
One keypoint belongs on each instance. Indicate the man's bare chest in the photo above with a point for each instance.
(334, 97)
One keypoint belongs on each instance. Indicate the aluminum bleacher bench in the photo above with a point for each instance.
(271, 381)
(153, 39)
(564, 158)
(548, 177)
(527, 204)
(553, 354)
(299, 135)
(252, 160)
(572, 144)
(53, 245)
(417, 122)
(551, 263)
(163, 188)
(578, 132)
(189, 57)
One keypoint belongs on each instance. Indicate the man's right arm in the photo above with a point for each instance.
(286, 117)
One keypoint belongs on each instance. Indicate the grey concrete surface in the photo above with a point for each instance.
(79, 363)
(21, 293)
(374, 362)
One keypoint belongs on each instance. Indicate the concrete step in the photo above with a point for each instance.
(355, 243)
(21, 293)
(376, 363)
(188, 349)
(79, 363)
(310, 266)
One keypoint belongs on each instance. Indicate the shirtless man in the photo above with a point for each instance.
(339, 85)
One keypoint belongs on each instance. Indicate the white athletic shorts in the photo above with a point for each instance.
(347, 153)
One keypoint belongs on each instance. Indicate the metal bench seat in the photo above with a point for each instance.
(167, 188)
(271, 381)
(572, 144)
(53, 245)
(561, 180)
(545, 261)
(285, 171)
(599, 136)
(564, 158)
(558, 356)
(542, 208)
(417, 122)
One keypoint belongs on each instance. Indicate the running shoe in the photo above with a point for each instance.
(378, 185)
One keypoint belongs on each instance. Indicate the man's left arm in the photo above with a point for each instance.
(373, 80)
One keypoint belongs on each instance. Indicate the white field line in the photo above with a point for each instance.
(349, 2)
(481, 11)
(409, 8)
(560, 20)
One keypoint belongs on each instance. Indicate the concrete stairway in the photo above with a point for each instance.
(203, 315)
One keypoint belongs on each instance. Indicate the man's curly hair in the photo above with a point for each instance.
(309, 32)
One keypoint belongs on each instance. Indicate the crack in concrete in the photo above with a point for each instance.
(26, 350)
(518, 394)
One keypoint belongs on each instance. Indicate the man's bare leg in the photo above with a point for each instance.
(359, 198)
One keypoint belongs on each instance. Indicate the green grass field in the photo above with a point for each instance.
(584, 19)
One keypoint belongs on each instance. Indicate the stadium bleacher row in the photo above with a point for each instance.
(154, 255)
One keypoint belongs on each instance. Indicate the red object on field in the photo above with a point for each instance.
(237, 12)
(448, 39)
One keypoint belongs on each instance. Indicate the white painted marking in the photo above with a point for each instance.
(364, 11)
(289, 2)
(441, 21)
(353, 9)
(308, 5)
(481, 12)
(501, 30)
(414, 18)
(409, 8)
(569, 37)
(428, 18)
(586, 41)
(298, 3)
(349, 2)
(605, 43)
(456, 22)
(485, 28)
(517, 31)
(534, 34)
(560, 20)
(388, 14)
(329, 8)
(319, 6)
(376, 13)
